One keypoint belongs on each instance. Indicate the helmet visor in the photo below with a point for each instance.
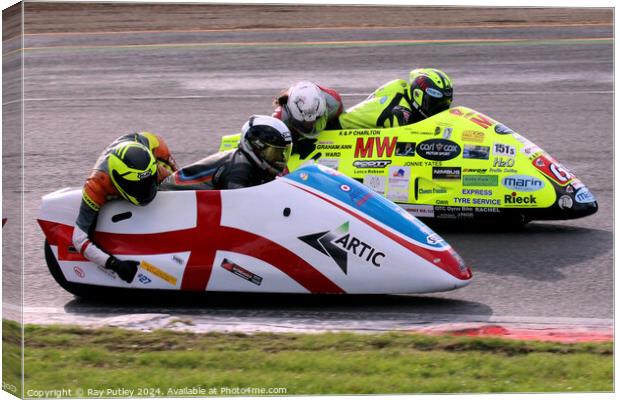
(276, 156)
(143, 190)
(434, 106)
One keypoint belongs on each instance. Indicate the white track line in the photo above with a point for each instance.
(217, 319)
(234, 96)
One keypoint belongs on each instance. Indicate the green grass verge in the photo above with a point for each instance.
(11, 357)
(58, 357)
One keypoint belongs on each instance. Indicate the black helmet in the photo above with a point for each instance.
(431, 91)
(133, 170)
(267, 141)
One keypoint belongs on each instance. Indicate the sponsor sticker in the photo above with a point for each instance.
(398, 183)
(476, 152)
(447, 133)
(375, 182)
(434, 92)
(503, 129)
(360, 132)
(503, 162)
(332, 163)
(438, 149)
(143, 279)
(339, 243)
(584, 195)
(476, 201)
(359, 196)
(431, 191)
(109, 273)
(522, 139)
(375, 147)
(371, 163)
(144, 174)
(398, 173)
(477, 192)
(523, 183)
(241, 272)
(405, 149)
(446, 172)
(565, 202)
(472, 136)
(345, 188)
(486, 202)
(514, 199)
(79, 272)
(480, 180)
(504, 150)
(577, 184)
(420, 210)
(332, 146)
(450, 212)
(479, 119)
(553, 169)
(158, 272)
(531, 150)
(434, 239)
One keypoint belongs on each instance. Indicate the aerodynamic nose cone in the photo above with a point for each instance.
(456, 266)
(458, 273)
(576, 201)
(585, 209)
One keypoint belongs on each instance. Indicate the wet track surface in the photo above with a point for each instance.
(553, 85)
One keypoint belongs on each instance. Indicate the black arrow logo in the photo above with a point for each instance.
(322, 242)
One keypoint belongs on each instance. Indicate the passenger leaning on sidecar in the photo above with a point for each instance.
(398, 102)
(263, 152)
(130, 168)
(307, 109)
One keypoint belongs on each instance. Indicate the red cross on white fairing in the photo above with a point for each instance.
(202, 241)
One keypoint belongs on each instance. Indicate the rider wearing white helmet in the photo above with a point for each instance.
(264, 150)
(307, 109)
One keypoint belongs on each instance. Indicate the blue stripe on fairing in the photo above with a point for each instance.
(365, 200)
(183, 177)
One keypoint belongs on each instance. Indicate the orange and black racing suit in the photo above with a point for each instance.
(99, 188)
(230, 169)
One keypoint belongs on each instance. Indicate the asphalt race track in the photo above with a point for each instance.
(553, 84)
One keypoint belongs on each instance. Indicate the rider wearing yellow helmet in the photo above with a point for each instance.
(398, 102)
(130, 168)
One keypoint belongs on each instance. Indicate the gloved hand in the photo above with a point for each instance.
(402, 115)
(125, 269)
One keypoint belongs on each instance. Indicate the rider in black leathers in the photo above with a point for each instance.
(264, 150)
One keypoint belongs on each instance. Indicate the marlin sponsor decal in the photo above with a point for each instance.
(523, 183)
(339, 243)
